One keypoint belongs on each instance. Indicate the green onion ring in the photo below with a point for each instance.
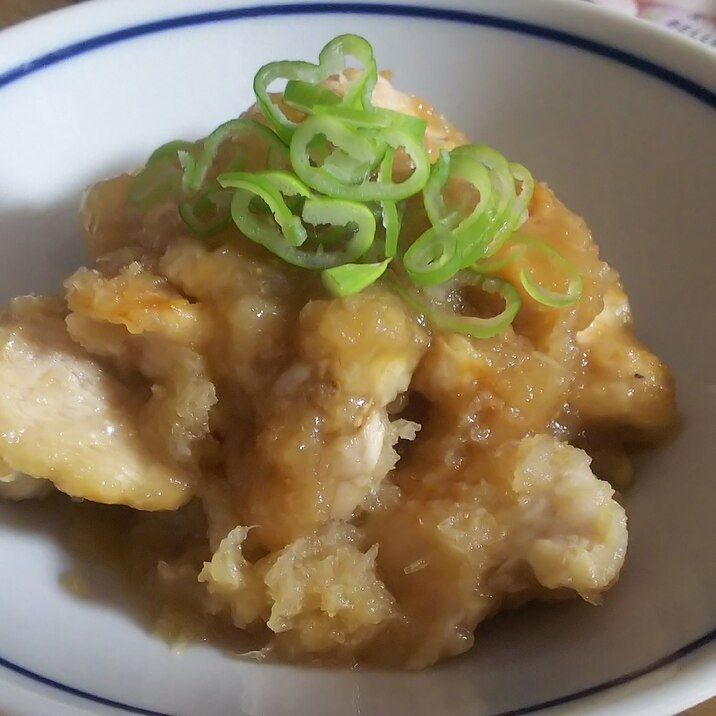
(361, 148)
(304, 96)
(432, 193)
(285, 239)
(270, 187)
(433, 257)
(389, 209)
(503, 187)
(331, 61)
(161, 176)
(359, 92)
(348, 279)
(196, 171)
(519, 247)
(218, 217)
(445, 319)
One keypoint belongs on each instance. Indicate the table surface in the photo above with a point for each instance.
(12, 11)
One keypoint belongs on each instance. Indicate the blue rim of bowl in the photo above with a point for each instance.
(652, 69)
(85, 46)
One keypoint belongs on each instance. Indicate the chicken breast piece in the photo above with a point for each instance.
(324, 441)
(149, 331)
(537, 524)
(66, 418)
(564, 522)
(625, 385)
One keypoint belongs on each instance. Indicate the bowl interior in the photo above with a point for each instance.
(632, 153)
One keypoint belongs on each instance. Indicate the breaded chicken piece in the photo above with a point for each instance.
(67, 418)
(324, 440)
(624, 383)
(536, 524)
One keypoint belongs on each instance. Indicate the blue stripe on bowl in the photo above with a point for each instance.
(583, 693)
(653, 69)
(72, 691)
(432, 13)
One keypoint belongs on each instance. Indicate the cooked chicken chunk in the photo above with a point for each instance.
(150, 332)
(535, 524)
(67, 418)
(624, 383)
(354, 358)
(540, 522)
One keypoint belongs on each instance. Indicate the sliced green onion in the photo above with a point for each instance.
(304, 71)
(503, 187)
(554, 299)
(276, 152)
(304, 96)
(331, 61)
(433, 257)
(524, 196)
(334, 212)
(348, 164)
(432, 193)
(359, 91)
(161, 176)
(488, 156)
(389, 209)
(545, 296)
(208, 213)
(348, 279)
(518, 250)
(444, 318)
(473, 230)
(286, 234)
(270, 187)
(455, 240)
(376, 118)
(360, 147)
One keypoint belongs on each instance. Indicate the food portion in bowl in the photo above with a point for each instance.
(389, 367)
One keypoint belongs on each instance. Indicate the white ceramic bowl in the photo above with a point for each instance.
(619, 117)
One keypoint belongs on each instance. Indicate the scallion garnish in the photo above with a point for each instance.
(362, 147)
(348, 279)
(441, 314)
(161, 177)
(207, 213)
(328, 196)
(331, 61)
(197, 170)
(520, 247)
(283, 233)
(389, 209)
